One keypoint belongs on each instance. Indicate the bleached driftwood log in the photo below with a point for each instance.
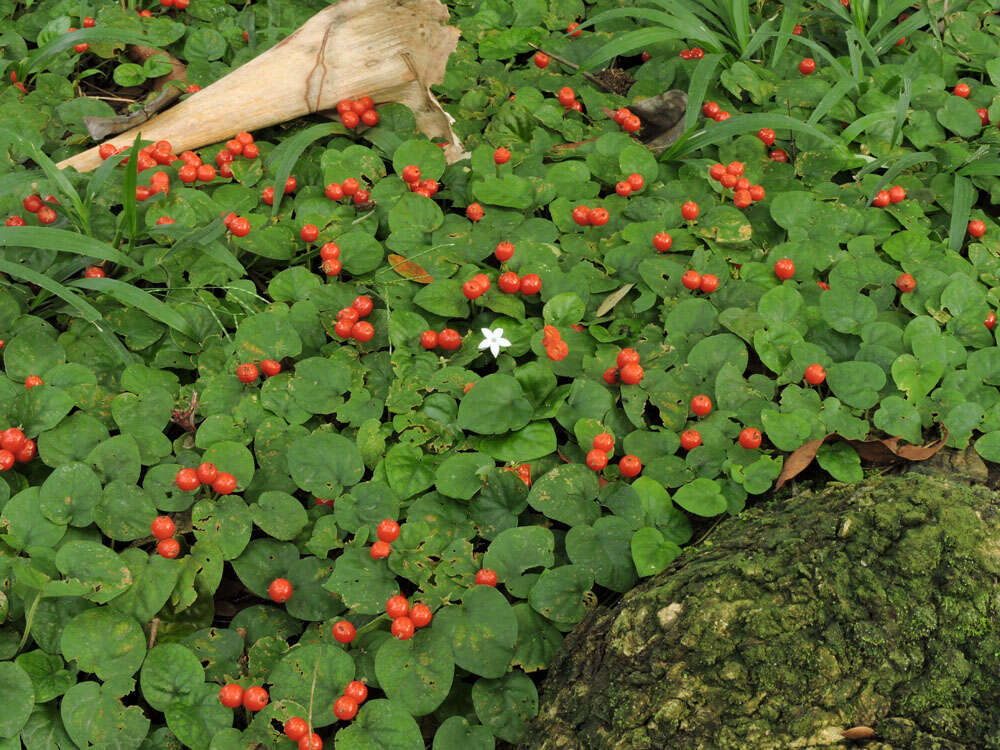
(390, 50)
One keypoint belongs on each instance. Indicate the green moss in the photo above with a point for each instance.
(872, 604)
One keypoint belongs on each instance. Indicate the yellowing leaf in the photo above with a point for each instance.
(409, 270)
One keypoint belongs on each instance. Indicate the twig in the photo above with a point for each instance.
(563, 61)
(153, 627)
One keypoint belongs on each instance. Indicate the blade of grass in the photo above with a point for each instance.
(902, 110)
(132, 296)
(854, 54)
(622, 45)
(888, 15)
(859, 126)
(789, 17)
(700, 79)
(59, 177)
(904, 162)
(764, 32)
(283, 157)
(830, 100)
(62, 241)
(37, 59)
(981, 169)
(741, 22)
(737, 124)
(127, 220)
(101, 175)
(87, 311)
(823, 52)
(961, 204)
(907, 27)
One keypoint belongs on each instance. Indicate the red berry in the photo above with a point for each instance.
(231, 695)
(779, 154)
(815, 374)
(631, 124)
(486, 577)
(566, 96)
(362, 331)
(280, 590)
(329, 251)
(162, 527)
(309, 233)
(357, 691)
(710, 109)
(472, 289)
(15, 221)
(662, 241)
(623, 189)
(797, 29)
(240, 226)
(363, 304)
(897, 194)
(716, 172)
(572, 29)
(387, 530)
(504, 251)
(370, 118)
(206, 473)
(750, 438)
(991, 320)
(691, 279)
(206, 172)
(411, 173)
(290, 185)
(313, 741)
(270, 367)
(977, 228)
(168, 548)
(766, 136)
(581, 215)
(807, 66)
(334, 191)
(46, 215)
(599, 217)
(541, 60)
(331, 267)
(881, 199)
(742, 199)
(350, 186)
(449, 339)
(501, 155)
(906, 283)
(344, 631)
(509, 282)
(27, 452)
(531, 283)
(296, 728)
(962, 90)
(701, 405)
(630, 466)
(397, 606)
(7, 460)
(604, 441)
(420, 615)
(225, 483)
(690, 439)
(362, 196)
(429, 339)
(12, 439)
(32, 203)
(636, 181)
(632, 374)
(379, 550)
(610, 375)
(597, 460)
(402, 628)
(187, 480)
(254, 698)
(756, 193)
(474, 211)
(251, 151)
(247, 372)
(627, 357)
(690, 210)
(784, 269)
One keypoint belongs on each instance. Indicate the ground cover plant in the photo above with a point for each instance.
(312, 438)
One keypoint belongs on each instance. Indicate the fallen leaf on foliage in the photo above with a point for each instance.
(884, 451)
(613, 299)
(858, 733)
(798, 460)
(409, 270)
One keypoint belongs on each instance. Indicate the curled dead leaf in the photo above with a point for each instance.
(799, 460)
(858, 733)
(409, 270)
(613, 299)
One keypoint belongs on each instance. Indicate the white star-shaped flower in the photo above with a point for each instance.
(493, 340)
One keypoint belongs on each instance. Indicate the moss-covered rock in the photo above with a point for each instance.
(864, 605)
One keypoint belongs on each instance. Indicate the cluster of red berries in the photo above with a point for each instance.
(594, 217)
(358, 111)
(713, 111)
(15, 448)
(241, 145)
(248, 372)
(695, 281)
(253, 699)
(82, 46)
(34, 204)
(350, 188)
(731, 176)
(329, 253)
(895, 194)
(627, 368)
(297, 730)
(404, 619)
(345, 707)
(267, 194)
(597, 457)
(19, 85)
(411, 176)
(567, 98)
(476, 287)
(627, 121)
(239, 226)
(695, 53)
(159, 182)
(387, 532)
(631, 184)
(222, 482)
(510, 283)
(163, 529)
(555, 347)
(449, 339)
(349, 323)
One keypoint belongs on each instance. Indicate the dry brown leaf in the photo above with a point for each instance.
(798, 460)
(888, 450)
(858, 733)
(409, 270)
(923, 452)
(613, 299)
